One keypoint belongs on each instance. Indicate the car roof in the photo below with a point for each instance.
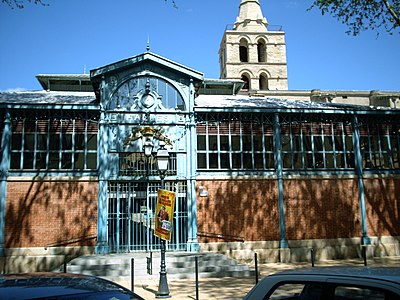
(382, 273)
(48, 284)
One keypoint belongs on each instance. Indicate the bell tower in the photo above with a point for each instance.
(252, 53)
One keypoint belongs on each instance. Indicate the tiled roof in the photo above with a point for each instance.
(43, 97)
(248, 102)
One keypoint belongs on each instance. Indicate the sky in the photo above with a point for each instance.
(75, 36)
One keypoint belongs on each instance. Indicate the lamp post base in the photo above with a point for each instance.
(163, 290)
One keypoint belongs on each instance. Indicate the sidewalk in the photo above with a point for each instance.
(237, 288)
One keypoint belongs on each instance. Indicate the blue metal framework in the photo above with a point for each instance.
(42, 142)
(283, 143)
(131, 209)
(308, 142)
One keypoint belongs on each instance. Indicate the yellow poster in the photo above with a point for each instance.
(164, 214)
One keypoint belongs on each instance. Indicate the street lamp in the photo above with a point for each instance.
(147, 138)
(162, 163)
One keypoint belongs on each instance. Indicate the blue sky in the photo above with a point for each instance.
(70, 35)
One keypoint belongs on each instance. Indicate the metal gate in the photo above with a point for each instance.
(131, 208)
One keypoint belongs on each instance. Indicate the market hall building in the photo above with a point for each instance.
(255, 166)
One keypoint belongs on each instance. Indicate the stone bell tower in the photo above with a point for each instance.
(252, 53)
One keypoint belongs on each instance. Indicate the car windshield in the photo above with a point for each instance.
(322, 290)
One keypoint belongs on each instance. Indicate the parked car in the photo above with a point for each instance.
(60, 286)
(329, 283)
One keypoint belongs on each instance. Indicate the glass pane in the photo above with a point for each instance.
(297, 160)
(201, 161)
(354, 292)
(307, 143)
(28, 160)
(67, 141)
(235, 142)
(287, 160)
(40, 160)
(79, 163)
(319, 160)
(288, 291)
(387, 161)
(247, 143)
(340, 163)
(15, 161)
(349, 143)
(269, 161)
(213, 161)
(92, 142)
(225, 161)
(66, 161)
(79, 142)
(328, 143)
(41, 142)
(258, 146)
(54, 141)
(318, 143)
(247, 161)
(29, 141)
(258, 161)
(212, 142)
(296, 143)
(269, 143)
(330, 163)
(285, 140)
(224, 142)
(308, 161)
(236, 161)
(92, 161)
(53, 160)
(338, 143)
(201, 142)
(16, 141)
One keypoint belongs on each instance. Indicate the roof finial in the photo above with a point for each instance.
(148, 44)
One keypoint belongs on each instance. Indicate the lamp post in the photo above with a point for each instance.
(162, 163)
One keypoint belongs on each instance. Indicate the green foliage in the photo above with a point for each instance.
(20, 3)
(360, 15)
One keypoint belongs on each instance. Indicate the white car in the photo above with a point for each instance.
(330, 283)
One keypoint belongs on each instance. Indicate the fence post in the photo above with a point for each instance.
(256, 265)
(364, 254)
(196, 267)
(65, 265)
(132, 275)
(312, 257)
(150, 264)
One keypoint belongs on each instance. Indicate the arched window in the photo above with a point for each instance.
(262, 51)
(243, 51)
(124, 96)
(263, 81)
(246, 80)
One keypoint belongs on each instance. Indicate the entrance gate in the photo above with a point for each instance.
(131, 209)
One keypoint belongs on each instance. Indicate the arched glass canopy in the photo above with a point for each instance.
(146, 92)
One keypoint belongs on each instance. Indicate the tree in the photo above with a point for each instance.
(173, 3)
(20, 3)
(360, 15)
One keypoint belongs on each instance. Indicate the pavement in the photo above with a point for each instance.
(236, 288)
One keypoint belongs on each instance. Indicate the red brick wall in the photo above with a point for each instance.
(382, 198)
(40, 214)
(238, 208)
(321, 209)
(314, 209)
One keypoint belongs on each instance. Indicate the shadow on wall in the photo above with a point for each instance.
(45, 214)
(315, 209)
